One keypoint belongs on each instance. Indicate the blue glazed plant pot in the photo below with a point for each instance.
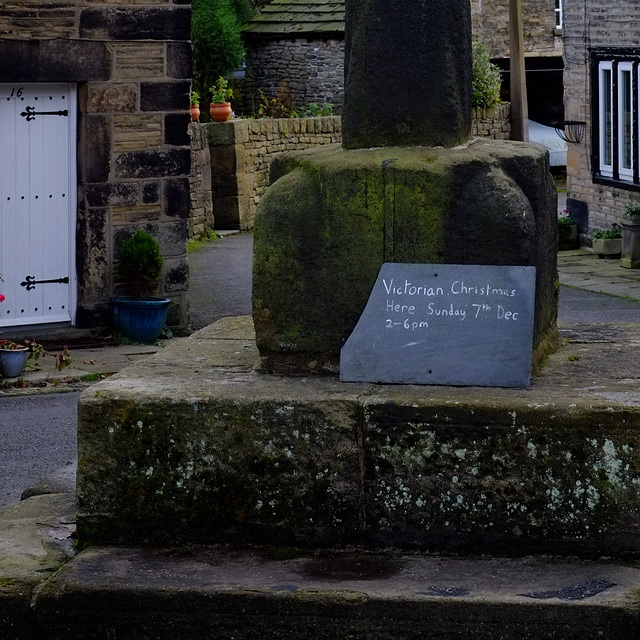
(12, 362)
(139, 320)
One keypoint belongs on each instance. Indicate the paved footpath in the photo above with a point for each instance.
(583, 269)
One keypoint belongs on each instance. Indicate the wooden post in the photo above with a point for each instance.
(518, 81)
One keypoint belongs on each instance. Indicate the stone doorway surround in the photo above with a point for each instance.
(132, 67)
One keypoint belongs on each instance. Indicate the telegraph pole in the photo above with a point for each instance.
(517, 77)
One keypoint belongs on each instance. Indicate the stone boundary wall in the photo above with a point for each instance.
(242, 152)
(492, 123)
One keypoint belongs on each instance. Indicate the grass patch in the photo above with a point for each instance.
(94, 377)
(197, 243)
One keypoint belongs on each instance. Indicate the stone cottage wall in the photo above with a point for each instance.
(131, 62)
(242, 152)
(312, 69)
(490, 25)
(593, 23)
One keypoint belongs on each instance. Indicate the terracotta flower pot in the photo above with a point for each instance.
(220, 111)
(195, 112)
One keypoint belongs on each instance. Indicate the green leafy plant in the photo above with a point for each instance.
(566, 221)
(36, 351)
(607, 234)
(280, 106)
(632, 210)
(193, 244)
(220, 91)
(485, 78)
(313, 110)
(195, 98)
(140, 264)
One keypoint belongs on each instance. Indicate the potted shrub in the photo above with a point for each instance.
(221, 94)
(139, 316)
(631, 237)
(567, 233)
(14, 355)
(195, 106)
(607, 242)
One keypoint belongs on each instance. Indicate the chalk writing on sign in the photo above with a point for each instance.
(445, 324)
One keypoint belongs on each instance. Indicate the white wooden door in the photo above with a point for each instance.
(37, 203)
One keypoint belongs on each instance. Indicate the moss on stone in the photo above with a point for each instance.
(332, 218)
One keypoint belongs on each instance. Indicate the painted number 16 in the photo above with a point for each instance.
(16, 92)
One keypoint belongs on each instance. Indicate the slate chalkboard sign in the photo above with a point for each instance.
(465, 325)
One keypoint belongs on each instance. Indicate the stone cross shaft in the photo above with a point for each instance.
(407, 73)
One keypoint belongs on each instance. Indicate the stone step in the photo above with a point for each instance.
(208, 592)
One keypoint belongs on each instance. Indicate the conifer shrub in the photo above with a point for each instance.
(216, 39)
(140, 264)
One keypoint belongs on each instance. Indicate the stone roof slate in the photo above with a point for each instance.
(291, 17)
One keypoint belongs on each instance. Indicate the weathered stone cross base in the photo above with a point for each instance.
(332, 218)
(196, 446)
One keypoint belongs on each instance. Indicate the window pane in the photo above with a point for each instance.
(624, 107)
(606, 132)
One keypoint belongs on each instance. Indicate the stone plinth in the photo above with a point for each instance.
(195, 445)
(332, 218)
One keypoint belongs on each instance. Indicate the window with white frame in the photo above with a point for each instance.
(616, 127)
(559, 14)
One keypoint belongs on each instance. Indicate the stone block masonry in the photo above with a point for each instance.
(492, 123)
(490, 23)
(311, 69)
(210, 450)
(201, 217)
(241, 153)
(131, 62)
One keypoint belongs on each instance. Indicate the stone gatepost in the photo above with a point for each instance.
(408, 186)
